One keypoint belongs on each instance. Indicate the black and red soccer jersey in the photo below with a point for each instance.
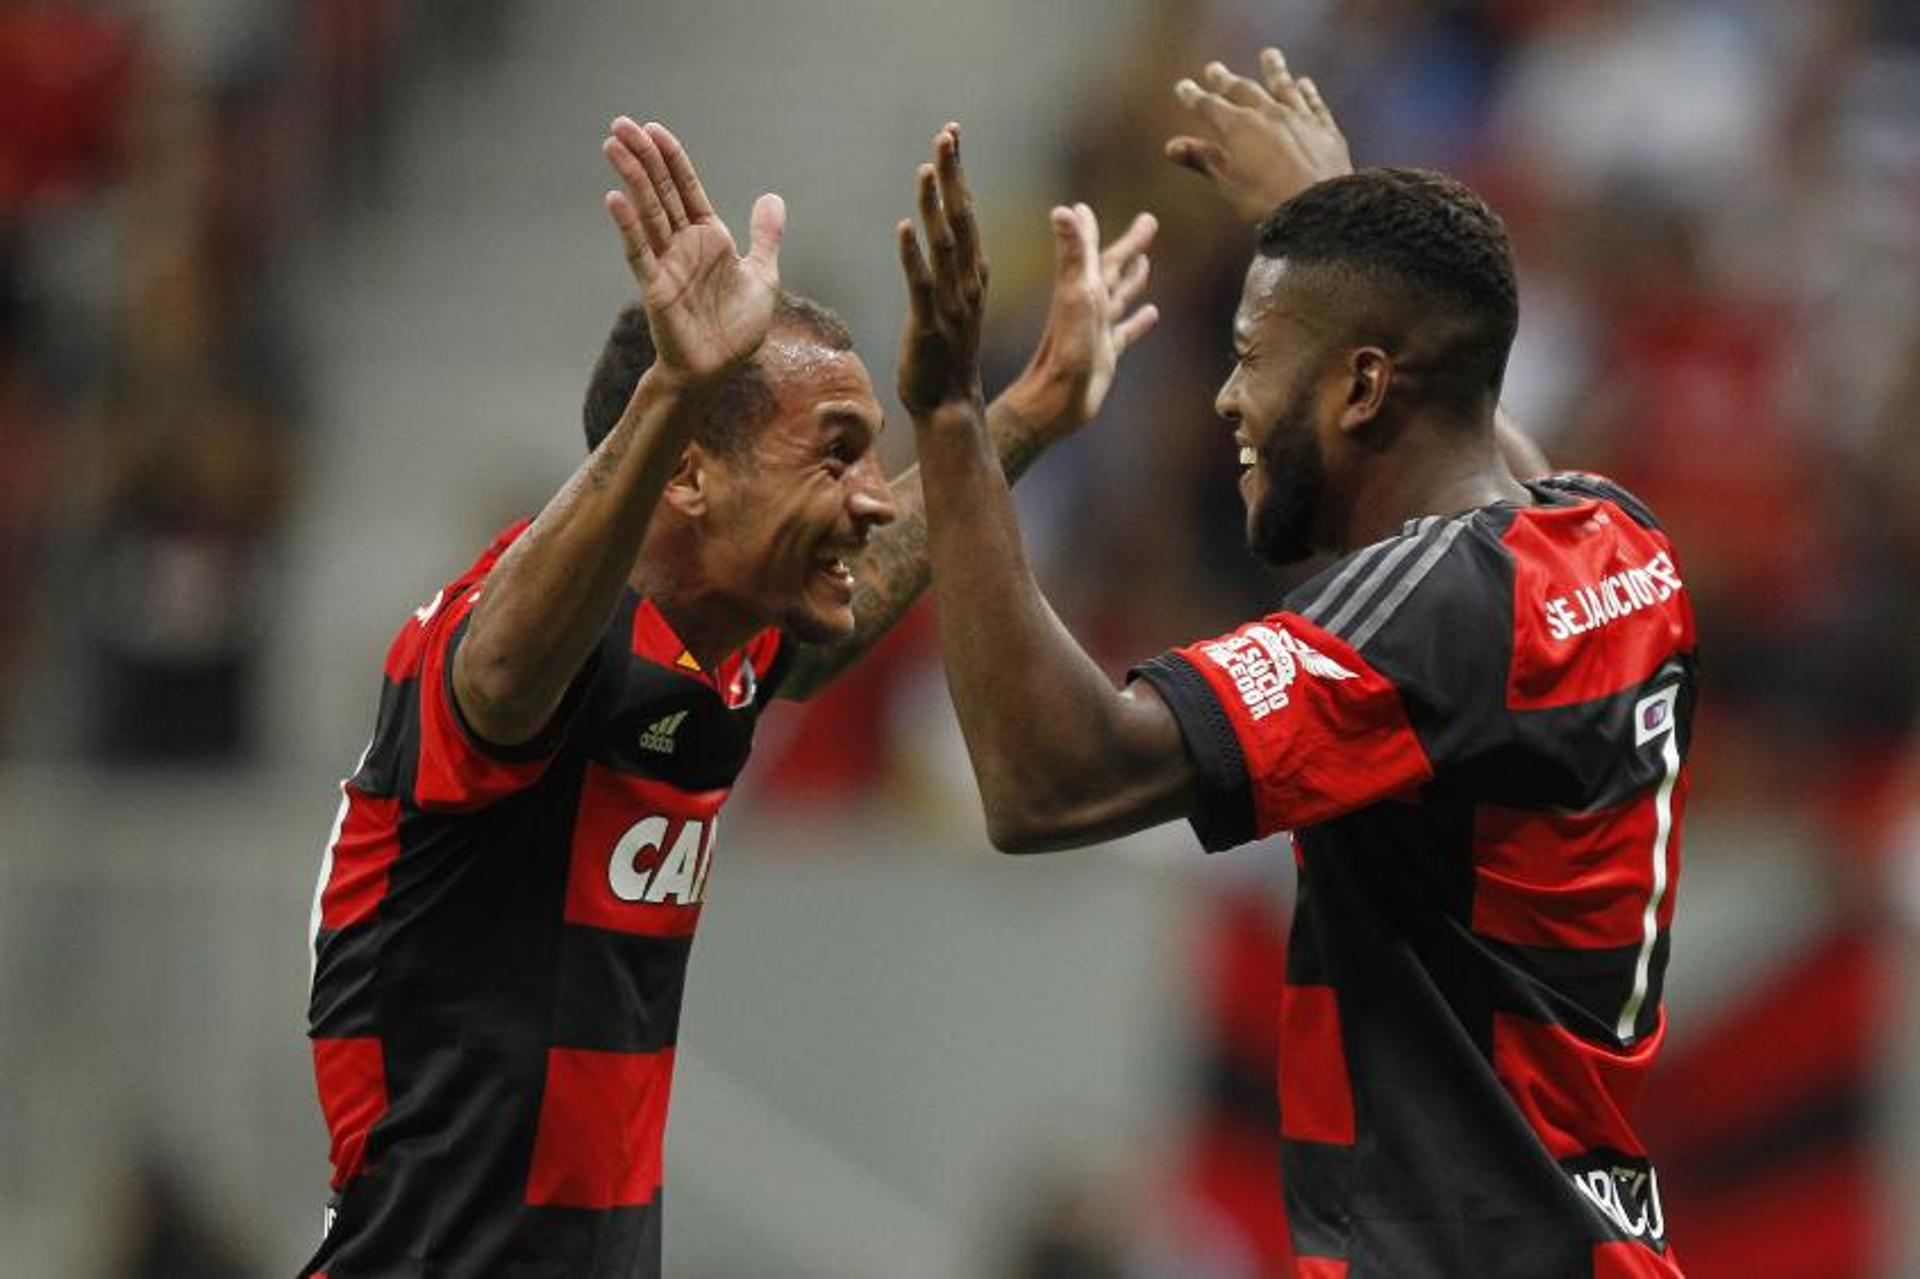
(1477, 731)
(500, 945)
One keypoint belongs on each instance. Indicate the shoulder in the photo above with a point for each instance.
(1435, 564)
(1587, 486)
(442, 613)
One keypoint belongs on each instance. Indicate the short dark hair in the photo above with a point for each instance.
(1423, 235)
(743, 401)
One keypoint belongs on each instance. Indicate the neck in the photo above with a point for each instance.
(711, 626)
(1430, 469)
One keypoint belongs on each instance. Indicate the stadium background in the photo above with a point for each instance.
(297, 301)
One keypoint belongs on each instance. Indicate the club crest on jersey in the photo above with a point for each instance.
(1263, 662)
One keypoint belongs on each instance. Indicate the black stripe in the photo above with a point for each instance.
(618, 992)
(1385, 571)
(1318, 1178)
(1582, 484)
(1581, 991)
(343, 1003)
(1392, 597)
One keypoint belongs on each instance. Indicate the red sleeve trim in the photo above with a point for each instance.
(1322, 732)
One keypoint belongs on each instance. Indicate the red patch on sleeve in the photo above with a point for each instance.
(1576, 1096)
(352, 1078)
(1598, 605)
(603, 1117)
(363, 855)
(455, 770)
(1323, 733)
(1316, 1098)
(1572, 880)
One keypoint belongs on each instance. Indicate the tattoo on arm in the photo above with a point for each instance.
(895, 568)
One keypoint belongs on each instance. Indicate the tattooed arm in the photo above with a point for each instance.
(1088, 327)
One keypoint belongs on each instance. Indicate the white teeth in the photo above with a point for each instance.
(1247, 456)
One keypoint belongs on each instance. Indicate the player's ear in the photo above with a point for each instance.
(1369, 378)
(689, 489)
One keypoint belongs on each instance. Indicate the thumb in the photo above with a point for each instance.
(1201, 156)
(766, 228)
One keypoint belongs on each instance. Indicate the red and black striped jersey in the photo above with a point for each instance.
(1477, 732)
(500, 944)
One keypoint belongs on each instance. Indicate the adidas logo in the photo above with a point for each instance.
(659, 734)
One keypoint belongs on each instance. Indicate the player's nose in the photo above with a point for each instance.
(871, 500)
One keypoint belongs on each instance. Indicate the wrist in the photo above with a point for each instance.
(953, 412)
(1040, 398)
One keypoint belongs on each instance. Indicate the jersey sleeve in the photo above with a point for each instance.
(1312, 712)
(455, 768)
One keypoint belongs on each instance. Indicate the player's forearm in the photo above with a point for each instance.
(895, 568)
(1048, 734)
(546, 603)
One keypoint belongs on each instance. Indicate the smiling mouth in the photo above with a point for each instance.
(838, 568)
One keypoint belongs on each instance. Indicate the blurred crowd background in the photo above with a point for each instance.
(297, 302)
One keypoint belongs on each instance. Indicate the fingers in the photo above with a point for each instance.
(1315, 103)
(632, 238)
(1123, 291)
(1131, 245)
(641, 143)
(1134, 327)
(1216, 111)
(914, 267)
(1280, 81)
(680, 165)
(1198, 154)
(1236, 89)
(956, 200)
(766, 227)
(1069, 245)
(650, 223)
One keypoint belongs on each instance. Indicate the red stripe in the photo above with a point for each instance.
(1831, 1218)
(1319, 1268)
(1317, 745)
(603, 1116)
(1571, 880)
(1812, 1032)
(352, 1080)
(1576, 1096)
(1316, 1098)
(632, 837)
(1568, 562)
(363, 856)
(1632, 1261)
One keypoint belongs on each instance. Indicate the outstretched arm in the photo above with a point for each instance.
(1262, 142)
(1061, 755)
(546, 603)
(1090, 324)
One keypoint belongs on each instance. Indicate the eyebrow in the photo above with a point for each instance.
(841, 414)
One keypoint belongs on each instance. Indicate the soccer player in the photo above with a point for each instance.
(1474, 721)
(502, 921)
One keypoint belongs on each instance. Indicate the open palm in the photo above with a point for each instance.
(708, 307)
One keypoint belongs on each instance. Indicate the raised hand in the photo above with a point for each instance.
(940, 349)
(708, 308)
(1091, 321)
(1261, 144)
